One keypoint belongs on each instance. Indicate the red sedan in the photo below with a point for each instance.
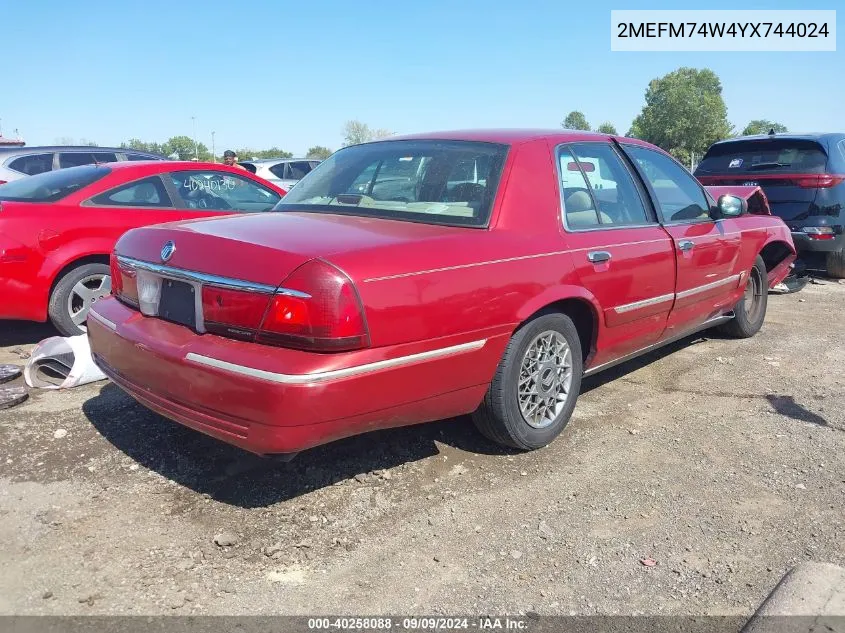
(425, 277)
(58, 229)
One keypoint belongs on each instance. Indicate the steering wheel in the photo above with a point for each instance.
(205, 200)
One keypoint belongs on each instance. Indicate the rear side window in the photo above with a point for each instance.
(149, 192)
(52, 186)
(278, 170)
(764, 156)
(74, 159)
(139, 157)
(32, 164)
(609, 184)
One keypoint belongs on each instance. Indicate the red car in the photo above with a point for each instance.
(57, 229)
(425, 277)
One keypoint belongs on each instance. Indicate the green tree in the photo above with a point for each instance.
(575, 121)
(607, 128)
(762, 126)
(684, 113)
(255, 154)
(355, 132)
(143, 146)
(183, 147)
(318, 151)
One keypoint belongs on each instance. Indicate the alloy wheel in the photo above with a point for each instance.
(84, 294)
(545, 379)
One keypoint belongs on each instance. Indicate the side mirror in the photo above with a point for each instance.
(731, 206)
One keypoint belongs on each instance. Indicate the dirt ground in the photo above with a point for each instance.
(721, 461)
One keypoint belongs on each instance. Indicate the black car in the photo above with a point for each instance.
(802, 175)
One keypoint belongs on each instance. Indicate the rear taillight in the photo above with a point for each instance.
(3, 182)
(819, 181)
(233, 313)
(124, 281)
(317, 309)
(820, 232)
(321, 311)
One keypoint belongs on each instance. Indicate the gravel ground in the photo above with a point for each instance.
(688, 482)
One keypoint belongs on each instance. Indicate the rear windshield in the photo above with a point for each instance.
(436, 182)
(52, 185)
(764, 155)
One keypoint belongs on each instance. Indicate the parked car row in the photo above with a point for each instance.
(400, 281)
(20, 162)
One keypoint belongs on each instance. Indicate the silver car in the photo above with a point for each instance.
(19, 162)
(283, 172)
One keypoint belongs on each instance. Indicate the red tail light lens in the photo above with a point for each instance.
(124, 282)
(233, 313)
(819, 181)
(321, 311)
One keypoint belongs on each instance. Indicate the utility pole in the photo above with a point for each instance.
(196, 147)
(213, 153)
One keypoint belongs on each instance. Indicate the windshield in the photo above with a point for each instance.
(437, 182)
(52, 185)
(764, 155)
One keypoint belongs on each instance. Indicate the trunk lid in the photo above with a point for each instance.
(266, 247)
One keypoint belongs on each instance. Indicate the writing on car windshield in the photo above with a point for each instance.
(446, 182)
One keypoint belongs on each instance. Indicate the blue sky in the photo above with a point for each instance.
(289, 74)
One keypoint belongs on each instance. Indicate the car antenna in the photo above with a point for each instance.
(771, 131)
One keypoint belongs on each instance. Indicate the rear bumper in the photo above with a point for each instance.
(268, 400)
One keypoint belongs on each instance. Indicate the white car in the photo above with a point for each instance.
(283, 172)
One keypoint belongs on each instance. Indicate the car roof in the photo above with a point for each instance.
(812, 136)
(169, 165)
(274, 160)
(70, 148)
(514, 136)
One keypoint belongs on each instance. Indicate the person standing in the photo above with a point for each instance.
(231, 159)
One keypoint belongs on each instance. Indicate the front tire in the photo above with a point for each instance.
(536, 385)
(750, 311)
(74, 294)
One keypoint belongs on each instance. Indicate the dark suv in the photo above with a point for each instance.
(802, 175)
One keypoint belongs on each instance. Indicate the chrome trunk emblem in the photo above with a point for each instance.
(167, 250)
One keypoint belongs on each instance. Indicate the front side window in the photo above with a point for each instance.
(222, 191)
(679, 196)
(437, 182)
(33, 164)
(52, 186)
(149, 192)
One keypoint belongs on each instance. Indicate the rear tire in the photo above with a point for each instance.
(835, 264)
(536, 385)
(750, 311)
(74, 294)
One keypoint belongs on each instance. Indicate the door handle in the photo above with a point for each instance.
(598, 256)
(685, 245)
